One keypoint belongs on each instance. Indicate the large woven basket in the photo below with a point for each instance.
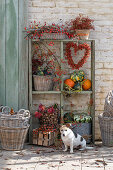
(13, 138)
(13, 128)
(43, 83)
(106, 128)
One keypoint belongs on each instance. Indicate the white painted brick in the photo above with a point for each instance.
(103, 71)
(101, 95)
(99, 10)
(76, 11)
(35, 10)
(102, 101)
(43, 4)
(98, 101)
(99, 65)
(99, 107)
(108, 65)
(104, 23)
(106, 77)
(68, 4)
(97, 77)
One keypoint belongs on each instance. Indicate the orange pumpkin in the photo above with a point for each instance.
(86, 84)
(69, 83)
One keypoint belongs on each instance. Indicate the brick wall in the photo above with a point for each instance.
(102, 12)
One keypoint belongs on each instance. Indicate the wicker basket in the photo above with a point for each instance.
(106, 128)
(108, 107)
(43, 83)
(13, 128)
(13, 138)
(20, 119)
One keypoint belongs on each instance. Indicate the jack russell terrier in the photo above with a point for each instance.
(71, 139)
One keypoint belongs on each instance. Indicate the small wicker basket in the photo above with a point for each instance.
(106, 128)
(43, 83)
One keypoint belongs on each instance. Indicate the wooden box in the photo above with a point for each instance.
(44, 138)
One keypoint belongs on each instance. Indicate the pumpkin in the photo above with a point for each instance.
(86, 84)
(69, 83)
(81, 75)
(77, 76)
(77, 86)
(73, 76)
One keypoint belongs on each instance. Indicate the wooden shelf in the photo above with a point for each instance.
(62, 92)
(59, 92)
(79, 92)
(46, 92)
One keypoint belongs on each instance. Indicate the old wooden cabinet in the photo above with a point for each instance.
(59, 94)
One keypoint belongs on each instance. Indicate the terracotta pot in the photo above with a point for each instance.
(83, 34)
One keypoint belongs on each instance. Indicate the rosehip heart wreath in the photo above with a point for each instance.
(83, 60)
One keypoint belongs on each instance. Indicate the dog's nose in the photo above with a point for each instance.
(63, 135)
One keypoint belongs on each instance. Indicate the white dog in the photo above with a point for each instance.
(72, 139)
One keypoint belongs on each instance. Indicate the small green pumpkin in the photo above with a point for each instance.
(77, 76)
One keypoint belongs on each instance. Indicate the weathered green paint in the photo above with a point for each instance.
(23, 57)
(13, 54)
(2, 52)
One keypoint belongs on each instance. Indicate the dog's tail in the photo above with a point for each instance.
(89, 147)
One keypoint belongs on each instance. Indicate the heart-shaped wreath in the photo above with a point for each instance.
(83, 60)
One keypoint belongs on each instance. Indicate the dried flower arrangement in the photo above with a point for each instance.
(48, 116)
(37, 30)
(81, 22)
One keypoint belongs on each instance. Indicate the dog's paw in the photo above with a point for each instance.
(64, 150)
(71, 152)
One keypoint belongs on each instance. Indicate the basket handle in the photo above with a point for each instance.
(6, 110)
(25, 113)
(106, 114)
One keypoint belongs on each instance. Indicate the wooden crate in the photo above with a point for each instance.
(44, 138)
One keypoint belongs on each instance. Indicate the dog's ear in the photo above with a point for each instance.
(68, 125)
(62, 126)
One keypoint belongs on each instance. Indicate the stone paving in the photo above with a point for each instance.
(42, 158)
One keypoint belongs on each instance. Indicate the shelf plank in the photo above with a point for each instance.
(81, 92)
(46, 92)
(62, 40)
(59, 92)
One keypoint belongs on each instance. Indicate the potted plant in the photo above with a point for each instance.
(81, 26)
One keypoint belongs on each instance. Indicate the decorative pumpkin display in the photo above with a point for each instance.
(69, 83)
(86, 84)
(78, 76)
(77, 86)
